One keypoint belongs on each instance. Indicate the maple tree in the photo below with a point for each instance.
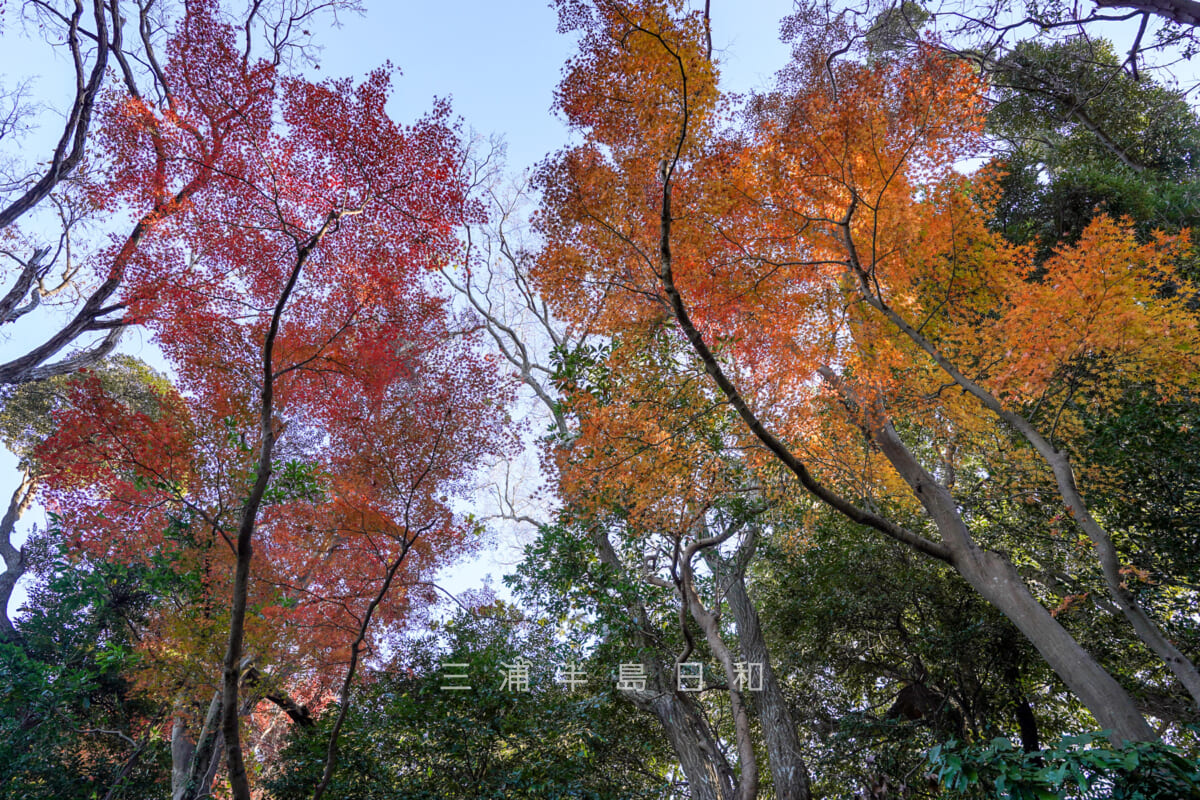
(640, 574)
(757, 329)
(827, 263)
(327, 406)
(115, 49)
(26, 420)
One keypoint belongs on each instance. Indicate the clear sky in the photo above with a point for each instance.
(500, 61)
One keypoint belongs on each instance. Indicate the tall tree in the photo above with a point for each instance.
(632, 560)
(27, 420)
(329, 406)
(412, 738)
(827, 260)
(54, 196)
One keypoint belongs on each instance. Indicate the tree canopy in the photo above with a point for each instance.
(862, 405)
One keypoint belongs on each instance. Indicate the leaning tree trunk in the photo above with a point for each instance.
(14, 557)
(997, 580)
(708, 773)
(993, 576)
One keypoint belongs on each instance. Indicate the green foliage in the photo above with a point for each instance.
(889, 654)
(1079, 136)
(1146, 488)
(408, 739)
(582, 368)
(1084, 767)
(294, 480)
(68, 711)
(26, 413)
(896, 28)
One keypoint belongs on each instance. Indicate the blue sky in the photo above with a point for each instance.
(499, 62)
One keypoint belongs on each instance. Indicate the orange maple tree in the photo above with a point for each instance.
(833, 274)
(328, 404)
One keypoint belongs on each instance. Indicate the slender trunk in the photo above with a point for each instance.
(238, 784)
(709, 622)
(193, 765)
(705, 767)
(1146, 629)
(214, 762)
(1031, 740)
(127, 768)
(789, 773)
(746, 787)
(331, 753)
(232, 674)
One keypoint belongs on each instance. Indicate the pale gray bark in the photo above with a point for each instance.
(708, 774)
(789, 773)
(707, 771)
(996, 579)
(1144, 627)
(182, 750)
(194, 764)
(1185, 12)
(14, 557)
(709, 622)
(704, 765)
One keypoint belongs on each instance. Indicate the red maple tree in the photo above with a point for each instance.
(327, 404)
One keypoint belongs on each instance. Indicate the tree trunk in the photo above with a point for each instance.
(194, 765)
(239, 785)
(708, 773)
(788, 771)
(996, 579)
(1031, 739)
(992, 576)
(14, 557)
(182, 750)
(1145, 628)
(709, 622)
(1185, 12)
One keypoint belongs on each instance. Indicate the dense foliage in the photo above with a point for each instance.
(872, 400)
